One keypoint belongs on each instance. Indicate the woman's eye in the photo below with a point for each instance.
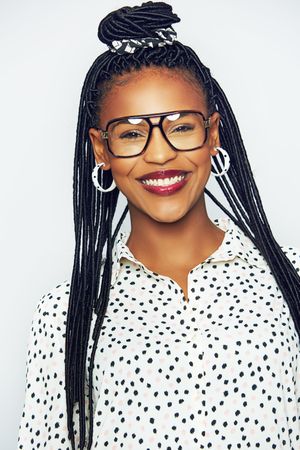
(130, 135)
(182, 128)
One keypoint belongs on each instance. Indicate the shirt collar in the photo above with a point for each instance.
(234, 245)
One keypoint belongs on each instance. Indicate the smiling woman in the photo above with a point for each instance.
(184, 332)
(153, 148)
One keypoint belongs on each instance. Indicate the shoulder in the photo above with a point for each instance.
(293, 254)
(52, 307)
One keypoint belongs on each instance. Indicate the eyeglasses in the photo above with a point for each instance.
(129, 136)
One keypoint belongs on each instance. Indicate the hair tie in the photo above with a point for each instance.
(166, 36)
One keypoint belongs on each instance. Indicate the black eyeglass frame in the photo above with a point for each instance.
(162, 116)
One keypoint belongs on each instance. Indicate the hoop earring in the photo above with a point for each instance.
(224, 164)
(95, 179)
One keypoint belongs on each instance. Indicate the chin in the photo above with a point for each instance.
(167, 217)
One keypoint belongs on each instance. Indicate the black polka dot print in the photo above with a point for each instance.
(219, 372)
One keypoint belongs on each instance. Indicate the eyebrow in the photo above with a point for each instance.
(181, 114)
(114, 124)
(124, 120)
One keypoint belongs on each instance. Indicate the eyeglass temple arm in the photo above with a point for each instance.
(104, 134)
(207, 123)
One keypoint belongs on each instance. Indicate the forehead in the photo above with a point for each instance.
(151, 91)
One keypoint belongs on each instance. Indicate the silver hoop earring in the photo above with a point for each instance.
(95, 179)
(225, 164)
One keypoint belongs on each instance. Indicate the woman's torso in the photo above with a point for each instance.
(216, 372)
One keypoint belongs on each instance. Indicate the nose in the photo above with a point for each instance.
(158, 149)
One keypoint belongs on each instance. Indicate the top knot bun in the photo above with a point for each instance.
(136, 22)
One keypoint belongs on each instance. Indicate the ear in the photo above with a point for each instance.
(99, 147)
(214, 137)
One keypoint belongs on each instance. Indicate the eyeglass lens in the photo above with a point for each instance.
(185, 131)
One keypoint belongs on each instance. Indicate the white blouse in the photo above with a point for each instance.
(219, 372)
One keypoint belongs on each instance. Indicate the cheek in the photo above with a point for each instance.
(121, 168)
(201, 159)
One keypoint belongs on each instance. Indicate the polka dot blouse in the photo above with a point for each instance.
(219, 372)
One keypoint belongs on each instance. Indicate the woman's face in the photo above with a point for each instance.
(156, 91)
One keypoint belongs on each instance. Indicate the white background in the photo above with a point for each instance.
(252, 49)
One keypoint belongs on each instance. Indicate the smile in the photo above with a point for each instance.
(163, 181)
(165, 186)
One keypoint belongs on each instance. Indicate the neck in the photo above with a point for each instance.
(182, 244)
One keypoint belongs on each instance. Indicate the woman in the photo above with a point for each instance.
(184, 332)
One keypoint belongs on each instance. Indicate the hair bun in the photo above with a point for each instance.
(136, 22)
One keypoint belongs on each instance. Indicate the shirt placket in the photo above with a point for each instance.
(221, 254)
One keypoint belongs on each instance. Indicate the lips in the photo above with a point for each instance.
(165, 190)
(160, 174)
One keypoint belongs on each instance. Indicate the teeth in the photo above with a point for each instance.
(163, 181)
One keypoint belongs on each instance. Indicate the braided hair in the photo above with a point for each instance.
(94, 211)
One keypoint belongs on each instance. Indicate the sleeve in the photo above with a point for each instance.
(44, 417)
(293, 254)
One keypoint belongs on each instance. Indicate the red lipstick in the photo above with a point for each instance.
(167, 189)
(163, 174)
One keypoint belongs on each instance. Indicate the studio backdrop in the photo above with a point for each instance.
(252, 49)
